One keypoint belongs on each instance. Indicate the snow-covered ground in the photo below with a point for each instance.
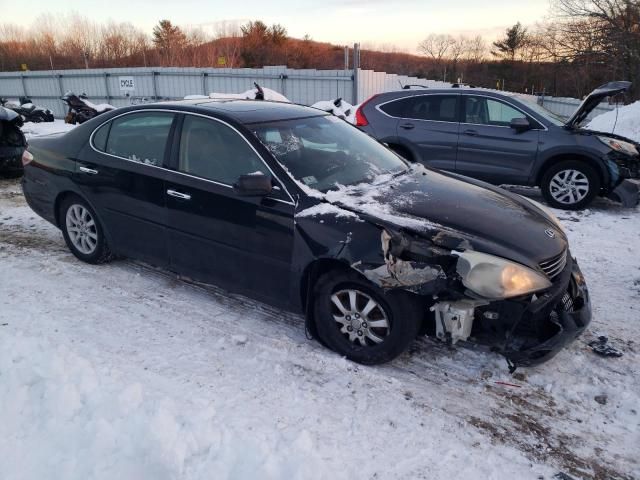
(125, 371)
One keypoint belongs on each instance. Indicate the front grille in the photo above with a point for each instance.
(555, 265)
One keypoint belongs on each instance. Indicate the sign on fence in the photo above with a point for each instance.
(127, 84)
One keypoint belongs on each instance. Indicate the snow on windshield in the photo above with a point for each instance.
(324, 152)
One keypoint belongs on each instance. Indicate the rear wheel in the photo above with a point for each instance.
(82, 231)
(570, 185)
(362, 322)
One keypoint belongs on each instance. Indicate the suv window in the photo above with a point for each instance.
(442, 108)
(141, 137)
(487, 111)
(212, 150)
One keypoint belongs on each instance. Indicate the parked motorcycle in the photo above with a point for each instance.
(12, 143)
(81, 109)
(30, 111)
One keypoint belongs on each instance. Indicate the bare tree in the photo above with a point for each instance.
(477, 50)
(612, 28)
(229, 42)
(437, 46)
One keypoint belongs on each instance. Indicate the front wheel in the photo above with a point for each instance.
(362, 322)
(82, 231)
(570, 185)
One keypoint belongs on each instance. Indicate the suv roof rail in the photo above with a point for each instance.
(411, 85)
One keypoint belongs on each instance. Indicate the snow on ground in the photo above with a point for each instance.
(122, 370)
(626, 121)
(125, 371)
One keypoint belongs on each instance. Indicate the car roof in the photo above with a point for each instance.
(410, 92)
(247, 111)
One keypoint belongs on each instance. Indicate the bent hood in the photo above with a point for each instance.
(593, 100)
(457, 212)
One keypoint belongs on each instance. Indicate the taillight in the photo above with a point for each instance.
(361, 120)
(26, 157)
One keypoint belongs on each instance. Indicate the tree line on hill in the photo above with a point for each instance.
(584, 44)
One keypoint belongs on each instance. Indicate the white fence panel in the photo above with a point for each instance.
(305, 86)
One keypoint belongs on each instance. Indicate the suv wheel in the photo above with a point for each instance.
(570, 185)
(362, 322)
(82, 231)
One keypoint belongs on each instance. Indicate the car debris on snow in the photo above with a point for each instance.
(602, 347)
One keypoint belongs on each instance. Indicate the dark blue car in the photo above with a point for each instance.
(507, 139)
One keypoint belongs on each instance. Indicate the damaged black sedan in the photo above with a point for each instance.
(297, 208)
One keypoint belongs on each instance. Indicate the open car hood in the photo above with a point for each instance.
(593, 100)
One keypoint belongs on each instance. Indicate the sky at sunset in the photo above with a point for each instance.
(379, 23)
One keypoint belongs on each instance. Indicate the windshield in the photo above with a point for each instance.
(325, 152)
(543, 112)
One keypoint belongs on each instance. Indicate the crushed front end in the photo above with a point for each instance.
(624, 172)
(531, 330)
(527, 329)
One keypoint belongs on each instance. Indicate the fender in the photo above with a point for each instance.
(548, 157)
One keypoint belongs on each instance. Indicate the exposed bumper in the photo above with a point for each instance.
(627, 193)
(552, 321)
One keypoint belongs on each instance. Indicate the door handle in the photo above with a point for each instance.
(182, 196)
(90, 171)
(407, 126)
(471, 133)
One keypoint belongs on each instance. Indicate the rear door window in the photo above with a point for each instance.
(439, 108)
(140, 137)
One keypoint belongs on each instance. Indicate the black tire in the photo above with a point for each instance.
(101, 252)
(570, 200)
(403, 311)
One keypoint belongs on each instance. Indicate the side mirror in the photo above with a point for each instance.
(253, 185)
(520, 124)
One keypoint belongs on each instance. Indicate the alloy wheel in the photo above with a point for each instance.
(569, 186)
(81, 228)
(360, 318)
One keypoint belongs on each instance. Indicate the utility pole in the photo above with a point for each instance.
(346, 57)
(356, 68)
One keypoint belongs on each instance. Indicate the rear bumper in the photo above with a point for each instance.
(552, 321)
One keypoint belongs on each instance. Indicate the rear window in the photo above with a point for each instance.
(100, 137)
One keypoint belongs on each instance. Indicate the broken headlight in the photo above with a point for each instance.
(497, 278)
(619, 145)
